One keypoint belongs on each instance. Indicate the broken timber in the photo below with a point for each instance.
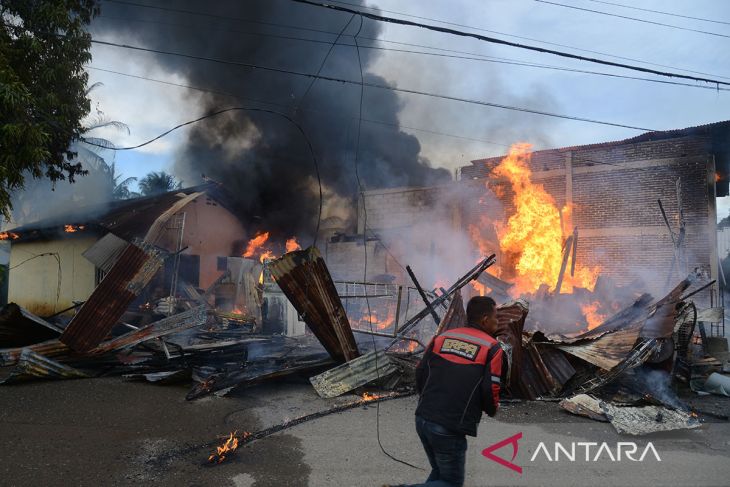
(304, 278)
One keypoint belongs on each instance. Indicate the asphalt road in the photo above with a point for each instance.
(114, 432)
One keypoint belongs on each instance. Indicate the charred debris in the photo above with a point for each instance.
(626, 370)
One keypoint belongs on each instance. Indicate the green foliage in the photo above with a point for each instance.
(158, 182)
(43, 49)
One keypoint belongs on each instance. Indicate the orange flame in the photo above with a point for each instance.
(266, 254)
(73, 228)
(228, 446)
(718, 178)
(367, 396)
(378, 325)
(9, 236)
(292, 245)
(532, 239)
(593, 317)
(255, 243)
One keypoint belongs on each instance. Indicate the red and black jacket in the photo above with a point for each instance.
(459, 377)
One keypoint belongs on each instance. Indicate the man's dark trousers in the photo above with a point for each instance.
(446, 451)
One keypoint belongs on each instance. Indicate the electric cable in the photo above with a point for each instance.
(361, 194)
(495, 40)
(274, 24)
(376, 85)
(244, 109)
(660, 12)
(583, 9)
(468, 56)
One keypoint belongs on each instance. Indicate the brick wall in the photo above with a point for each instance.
(614, 189)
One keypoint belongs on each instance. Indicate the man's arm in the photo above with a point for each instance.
(421, 372)
(492, 380)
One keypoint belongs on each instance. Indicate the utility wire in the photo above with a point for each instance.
(495, 40)
(265, 102)
(659, 12)
(288, 26)
(287, 106)
(361, 193)
(232, 109)
(530, 39)
(582, 9)
(373, 85)
(467, 55)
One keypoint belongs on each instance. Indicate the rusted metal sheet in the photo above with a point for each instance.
(660, 323)
(511, 320)
(32, 365)
(51, 348)
(353, 374)
(172, 324)
(19, 327)
(98, 315)
(607, 351)
(455, 316)
(305, 280)
(544, 371)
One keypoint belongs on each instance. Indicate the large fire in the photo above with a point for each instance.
(260, 246)
(592, 314)
(532, 240)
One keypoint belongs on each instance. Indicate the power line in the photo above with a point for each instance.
(289, 26)
(469, 57)
(495, 40)
(372, 85)
(631, 18)
(232, 109)
(660, 12)
(533, 39)
(286, 106)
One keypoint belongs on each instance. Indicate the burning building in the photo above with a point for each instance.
(639, 212)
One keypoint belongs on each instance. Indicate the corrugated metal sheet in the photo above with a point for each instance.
(353, 374)
(455, 316)
(110, 299)
(607, 351)
(32, 365)
(171, 324)
(104, 253)
(51, 348)
(304, 278)
(647, 419)
(511, 318)
(19, 327)
(544, 371)
(584, 405)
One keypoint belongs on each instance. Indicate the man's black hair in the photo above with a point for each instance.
(478, 307)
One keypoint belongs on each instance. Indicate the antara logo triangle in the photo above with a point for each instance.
(512, 440)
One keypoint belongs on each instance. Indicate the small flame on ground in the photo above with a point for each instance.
(368, 396)
(292, 245)
(228, 446)
(255, 243)
(9, 236)
(73, 228)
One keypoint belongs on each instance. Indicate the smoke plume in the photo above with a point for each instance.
(261, 158)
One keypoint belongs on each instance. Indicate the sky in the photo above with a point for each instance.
(452, 133)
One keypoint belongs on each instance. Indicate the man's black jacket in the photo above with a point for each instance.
(459, 377)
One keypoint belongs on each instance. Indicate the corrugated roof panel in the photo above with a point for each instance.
(98, 315)
(305, 280)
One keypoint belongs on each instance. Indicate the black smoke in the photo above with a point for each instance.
(259, 157)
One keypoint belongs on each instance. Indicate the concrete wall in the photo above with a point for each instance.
(47, 276)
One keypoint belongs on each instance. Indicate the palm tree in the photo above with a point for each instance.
(121, 189)
(158, 182)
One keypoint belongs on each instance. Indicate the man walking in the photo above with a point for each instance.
(458, 378)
